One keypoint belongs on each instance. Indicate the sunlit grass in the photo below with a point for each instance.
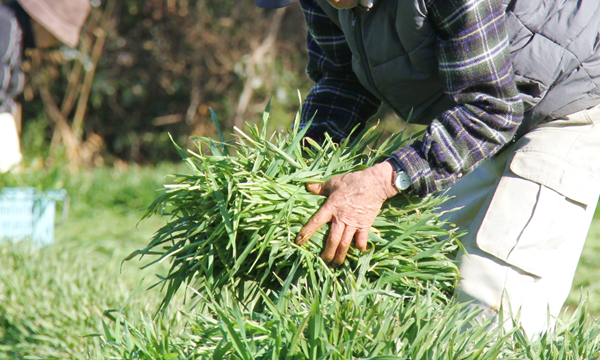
(586, 280)
(52, 298)
(56, 301)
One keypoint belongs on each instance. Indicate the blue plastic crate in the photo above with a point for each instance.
(26, 213)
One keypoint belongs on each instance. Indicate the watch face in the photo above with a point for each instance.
(402, 181)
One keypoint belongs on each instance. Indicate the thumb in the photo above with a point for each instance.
(317, 189)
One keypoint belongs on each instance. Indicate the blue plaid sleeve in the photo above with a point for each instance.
(475, 68)
(337, 102)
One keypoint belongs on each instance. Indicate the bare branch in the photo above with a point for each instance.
(255, 58)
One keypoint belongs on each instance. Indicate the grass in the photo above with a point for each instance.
(52, 299)
(61, 301)
(304, 318)
(321, 327)
(233, 219)
(586, 280)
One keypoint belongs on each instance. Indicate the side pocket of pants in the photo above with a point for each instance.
(541, 201)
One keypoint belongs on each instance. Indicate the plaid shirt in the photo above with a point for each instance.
(476, 73)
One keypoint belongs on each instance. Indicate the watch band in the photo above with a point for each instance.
(396, 164)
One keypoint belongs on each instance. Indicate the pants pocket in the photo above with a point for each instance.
(544, 200)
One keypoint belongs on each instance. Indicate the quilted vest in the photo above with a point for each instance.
(554, 48)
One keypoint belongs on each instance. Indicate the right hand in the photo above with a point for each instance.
(354, 201)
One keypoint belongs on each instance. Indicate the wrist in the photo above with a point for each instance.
(385, 171)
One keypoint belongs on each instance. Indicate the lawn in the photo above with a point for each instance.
(586, 280)
(59, 302)
(52, 299)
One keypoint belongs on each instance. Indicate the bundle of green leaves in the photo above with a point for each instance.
(230, 238)
(232, 221)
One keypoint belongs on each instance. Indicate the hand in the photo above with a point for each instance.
(344, 4)
(353, 203)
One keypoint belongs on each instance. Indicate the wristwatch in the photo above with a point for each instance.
(401, 180)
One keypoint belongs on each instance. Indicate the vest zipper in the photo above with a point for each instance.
(363, 57)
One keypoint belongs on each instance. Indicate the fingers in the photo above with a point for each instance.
(334, 241)
(350, 206)
(321, 217)
(345, 243)
(319, 188)
(361, 237)
(339, 239)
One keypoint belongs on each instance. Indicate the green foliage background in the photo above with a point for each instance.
(165, 62)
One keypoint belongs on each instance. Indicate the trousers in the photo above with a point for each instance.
(527, 212)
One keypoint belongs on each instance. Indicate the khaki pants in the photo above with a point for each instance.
(527, 212)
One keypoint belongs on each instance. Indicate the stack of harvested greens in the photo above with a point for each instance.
(230, 239)
(233, 220)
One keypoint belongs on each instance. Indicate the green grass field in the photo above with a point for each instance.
(56, 301)
(586, 280)
(52, 299)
